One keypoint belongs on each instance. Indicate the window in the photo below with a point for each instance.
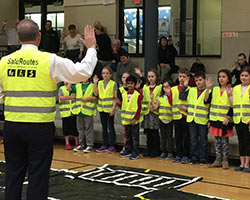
(189, 23)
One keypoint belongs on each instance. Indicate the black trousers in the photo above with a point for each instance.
(166, 137)
(132, 138)
(182, 138)
(244, 139)
(153, 142)
(28, 147)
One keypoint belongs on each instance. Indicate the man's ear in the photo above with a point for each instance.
(38, 38)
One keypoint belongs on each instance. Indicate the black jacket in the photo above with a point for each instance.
(167, 55)
(50, 41)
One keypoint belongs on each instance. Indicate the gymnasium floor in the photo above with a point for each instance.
(216, 182)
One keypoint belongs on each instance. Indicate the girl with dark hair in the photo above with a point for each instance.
(220, 116)
(241, 110)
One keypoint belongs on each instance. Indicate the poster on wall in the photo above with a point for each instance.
(189, 27)
(164, 26)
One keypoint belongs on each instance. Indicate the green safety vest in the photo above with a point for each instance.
(65, 105)
(241, 105)
(106, 96)
(197, 110)
(30, 93)
(177, 113)
(146, 101)
(219, 106)
(129, 109)
(165, 109)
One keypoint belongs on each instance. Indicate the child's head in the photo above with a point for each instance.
(166, 86)
(131, 82)
(224, 77)
(200, 80)
(245, 76)
(183, 74)
(152, 77)
(125, 75)
(106, 73)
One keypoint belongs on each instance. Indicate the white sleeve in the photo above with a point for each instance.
(63, 69)
(1, 93)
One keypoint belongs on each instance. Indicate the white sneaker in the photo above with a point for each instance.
(88, 150)
(78, 148)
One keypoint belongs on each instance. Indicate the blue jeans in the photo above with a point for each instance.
(198, 141)
(108, 123)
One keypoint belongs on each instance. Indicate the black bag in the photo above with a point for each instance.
(197, 66)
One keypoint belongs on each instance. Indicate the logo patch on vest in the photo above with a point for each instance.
(21, 73)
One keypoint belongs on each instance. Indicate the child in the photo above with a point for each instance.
(151, 120)
(220, 114)
(197, 117)
(123, 88)
(86, 109)
(179, 117)
(106, 90)
(164, 104)
(241, 116)
(131, 117)
(68, 120)
(141, 78)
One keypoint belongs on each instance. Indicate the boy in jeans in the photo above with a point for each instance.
(197, 117)
(131, 117)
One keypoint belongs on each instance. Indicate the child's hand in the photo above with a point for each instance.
(225, 122)
(138, 71)
(133, 122)
(208, 125)
(112, 112)
(138, 84)
(209, 82)
(95, 79)
(151, 109)
(85, 99)
(168, 91)
(229, 90)
(183, 108)
(152, 96)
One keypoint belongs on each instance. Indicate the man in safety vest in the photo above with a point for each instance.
(29, 79)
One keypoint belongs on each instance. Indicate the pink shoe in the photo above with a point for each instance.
(67, 147)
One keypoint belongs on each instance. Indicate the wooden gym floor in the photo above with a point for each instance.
(216, 182)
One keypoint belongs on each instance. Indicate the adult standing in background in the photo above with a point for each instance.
(11, 34)
(29, 88)
(73, 44)
(166, 57)
(50, 40)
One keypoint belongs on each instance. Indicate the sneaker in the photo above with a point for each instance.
(78, 148)
(124, 154)
(111, 150)
(163, 155)
(88, 150)
(238, 169)
(102, 149)
(76, 145)
(184, 160)
(193, 162)
(133, 156)
(170, 156)
(246, 170)
(177, 159)
(203, 162)
(67, 147)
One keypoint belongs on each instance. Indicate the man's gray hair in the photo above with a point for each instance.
(27, 30)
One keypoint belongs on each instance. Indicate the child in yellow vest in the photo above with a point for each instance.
(241, 116)
(179, 117)
(106, 90)
(220, 114)
(151, 120)
(68, 119)
(164, 104)
(197, 117)
(85, 110)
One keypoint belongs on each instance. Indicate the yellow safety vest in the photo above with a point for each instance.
(165, 109)
(30, 93)
(219, 106)
(122, 89)
(129, 109)
(106, 96)
(146, 101)
(65, 105)
(197, 110)
(77, 102)
(241, 105)
(86, 108)
(177, 113)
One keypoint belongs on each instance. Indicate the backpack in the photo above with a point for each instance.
(197, 66)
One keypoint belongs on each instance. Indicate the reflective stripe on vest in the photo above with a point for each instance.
(129, 109)
(65, 105)
(30, 93)
(106, 96)
(165, 109)
(219, 105)
(197, 110)
(177, 113)
(241, 105)
(146, 101)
